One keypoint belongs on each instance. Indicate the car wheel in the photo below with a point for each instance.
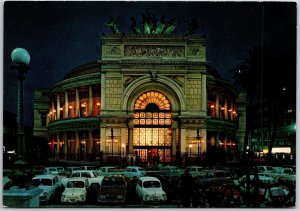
(94, 187)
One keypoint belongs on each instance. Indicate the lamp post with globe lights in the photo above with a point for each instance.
(20, 58)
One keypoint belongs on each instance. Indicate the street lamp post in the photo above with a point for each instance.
(20, 58)
(112, 141)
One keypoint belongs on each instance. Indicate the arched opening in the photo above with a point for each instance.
(152, 136)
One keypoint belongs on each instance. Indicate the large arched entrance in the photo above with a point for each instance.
(152, 133)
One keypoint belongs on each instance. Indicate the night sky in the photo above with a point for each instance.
(60, 36)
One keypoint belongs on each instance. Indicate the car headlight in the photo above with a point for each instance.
(63, 197)
(164, 196)
(45, 193)
(146, 196)
(82, 196)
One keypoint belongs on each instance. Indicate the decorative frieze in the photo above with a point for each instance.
(154, 51)
(112, 50)
(196, 51)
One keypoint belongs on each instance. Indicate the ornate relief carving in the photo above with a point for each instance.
(153, 51)
(112, 50)
(195, 51)
(128, 79)
(153, 75)
(178, 80)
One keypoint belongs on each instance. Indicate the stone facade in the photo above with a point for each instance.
(163, 78)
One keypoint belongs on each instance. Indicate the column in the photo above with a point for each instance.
(102, 139)
(77, 144)
(103, 89)
(52, 146)
(130, 141)
(217, 105)
(90, 145)
(217, 143)
(57, 107)
(130, 136)
(90, 101)
(77, 103)
(203, 93)
(231, 108)
(173, 144)
(226, 108)
(53, 109)
(183, 140)
(66, 105)
(65, 145)
(57, 146)
(203, 147)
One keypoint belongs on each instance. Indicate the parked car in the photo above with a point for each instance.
(49, 183)
(172, 170)
(210, 177)
(265, 183)
(75, 191)
(88, 168)
(134, 171)
(94, 179)
(72, 168)
(51, 170)
(193, 170)
(110, 170)
(112, 190)
(266, 169)
(149, 189)
(7, 183)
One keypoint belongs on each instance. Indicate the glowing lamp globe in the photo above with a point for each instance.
(20, 56)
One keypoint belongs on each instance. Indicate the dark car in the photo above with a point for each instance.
(212, 177)
(112, 190)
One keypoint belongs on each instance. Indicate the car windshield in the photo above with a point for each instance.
(113, 182)
(46, 182)
(95, 173)
(75, 184)
(151, 184)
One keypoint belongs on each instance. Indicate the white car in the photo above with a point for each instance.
(51, 170)
(49, 183)
(75, 191)
(193, 170)
(94, 179)
(149, 189)
(134, 171)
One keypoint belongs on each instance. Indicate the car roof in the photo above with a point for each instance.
(44, 176)
(77, 179)
(170, 167)
(143, 179)
(134, 167)
(83, 171)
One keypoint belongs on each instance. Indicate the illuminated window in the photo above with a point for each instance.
(152, 126)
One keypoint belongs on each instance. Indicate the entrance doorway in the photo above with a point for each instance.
(152, 127)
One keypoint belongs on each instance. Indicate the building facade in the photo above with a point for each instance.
(149, 96)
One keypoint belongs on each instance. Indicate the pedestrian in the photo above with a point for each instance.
(187, 189)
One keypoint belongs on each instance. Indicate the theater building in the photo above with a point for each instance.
(147, 96)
